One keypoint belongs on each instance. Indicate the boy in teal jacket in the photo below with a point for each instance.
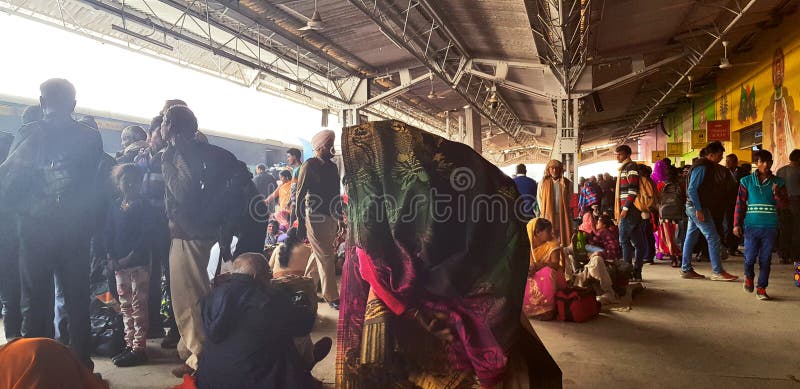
(760, 195)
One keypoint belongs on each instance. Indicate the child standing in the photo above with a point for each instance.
(756, 209)
(282, 194)
(128, 255)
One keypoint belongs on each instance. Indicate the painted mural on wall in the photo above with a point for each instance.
(780, 116)
(747, 104)
(766, 93)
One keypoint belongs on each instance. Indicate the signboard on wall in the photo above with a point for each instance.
(719, 130)
(675, 149)
(699, 139)
(658, 155)
(751, 136)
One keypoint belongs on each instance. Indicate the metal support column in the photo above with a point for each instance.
(566, 145)
(473, 127)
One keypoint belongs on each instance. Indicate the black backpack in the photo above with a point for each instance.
(673, 200)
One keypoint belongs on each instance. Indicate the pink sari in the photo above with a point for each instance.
(545, 279)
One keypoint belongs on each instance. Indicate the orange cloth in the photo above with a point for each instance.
(284, 195)
(40, 363)
(188, 383)
(561, 217)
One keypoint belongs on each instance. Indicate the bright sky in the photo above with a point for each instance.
(536, 171)
(112, 79)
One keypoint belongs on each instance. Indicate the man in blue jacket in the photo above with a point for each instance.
(706, 177)
(527, 189)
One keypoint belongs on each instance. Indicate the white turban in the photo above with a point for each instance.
(322, 138)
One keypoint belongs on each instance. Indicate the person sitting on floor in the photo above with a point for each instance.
(41, 363)
(546, 271)
(250, 326)
(273, 233)
(590, 220)
(605, 240)
(288, 264)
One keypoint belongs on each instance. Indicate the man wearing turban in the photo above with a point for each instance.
(318, 209)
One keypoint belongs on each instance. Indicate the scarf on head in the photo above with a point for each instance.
(660, 172)
(540, 255)
(547, 207)
(322, 138)
(472, 269)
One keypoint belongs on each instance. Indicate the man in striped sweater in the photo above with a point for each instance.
(756, 209)
(628, 216)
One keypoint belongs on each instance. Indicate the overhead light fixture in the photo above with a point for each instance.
(141, 37)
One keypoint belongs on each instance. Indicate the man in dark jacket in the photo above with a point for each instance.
(704, 200)
(265, 182)
(732, 189)
(250, 327)
(50, 182)
(205, 198)
(527, 188)
(9, 262)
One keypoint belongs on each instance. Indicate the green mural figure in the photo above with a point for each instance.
(747, 104)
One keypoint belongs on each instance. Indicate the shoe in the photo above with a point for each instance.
(723, 255)
(122, 353)
(675, 262)
(334, 304)
(761, 294)
(182, 370)
(322, 348)
(735, 253)
(724, 276)
(132, 358)
(692, 275)
(171, 340)
(636, 277)
(748, 285)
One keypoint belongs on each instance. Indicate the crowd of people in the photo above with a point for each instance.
(648, 215)
(427, 301)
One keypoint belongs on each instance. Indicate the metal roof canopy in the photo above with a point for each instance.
(508, 59)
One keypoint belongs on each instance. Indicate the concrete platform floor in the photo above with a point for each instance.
(679, 334)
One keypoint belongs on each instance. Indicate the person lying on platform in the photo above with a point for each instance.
(250, 327)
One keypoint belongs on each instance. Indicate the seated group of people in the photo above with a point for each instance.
(554, 267)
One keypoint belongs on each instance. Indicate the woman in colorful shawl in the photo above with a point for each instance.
(555, 194)
(434, 273)
(546, 271)
(671, 212)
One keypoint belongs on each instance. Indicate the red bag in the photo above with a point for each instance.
(576, 304)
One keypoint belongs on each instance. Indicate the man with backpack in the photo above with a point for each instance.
(628, 216)
(205, 197)
(704, 198)
(49, 182)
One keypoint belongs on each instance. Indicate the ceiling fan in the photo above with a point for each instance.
(314, 23)
(432, 94)
(690, 93)
(725, 63)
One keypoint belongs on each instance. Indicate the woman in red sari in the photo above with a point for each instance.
(431, 291)
(671, 212)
